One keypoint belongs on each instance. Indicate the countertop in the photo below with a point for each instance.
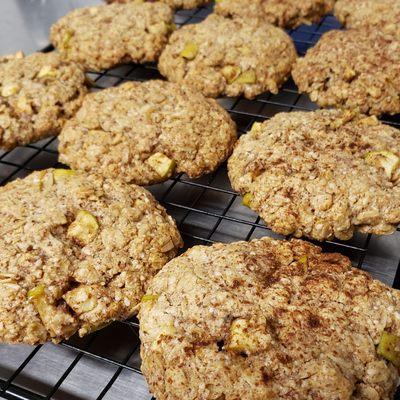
(24, 24)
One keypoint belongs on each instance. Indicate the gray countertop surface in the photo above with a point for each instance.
(24, 24)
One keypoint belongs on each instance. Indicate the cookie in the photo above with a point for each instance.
(354, 69)
(176, 4)
(220, 56)
(379, 13)
(104, 36)
(38, 93)
(145, 133)
(321, 174)
(268, 319)
(76, 252)
(284, 13)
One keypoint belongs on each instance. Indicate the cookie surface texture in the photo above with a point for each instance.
(146, 132)
(220, 56)
(107, 35)
(284, 13)
(379, 13)
(321, 174)
(268, 320)
(38, 93)
(353, 69)
(76, 252)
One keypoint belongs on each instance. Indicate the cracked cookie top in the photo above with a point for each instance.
(220, 56)
(38, 93)
(268, 319)
(146, 132)
(104, 36)
(353, 69)
(76, 252)
(321, 174)
(284, 13)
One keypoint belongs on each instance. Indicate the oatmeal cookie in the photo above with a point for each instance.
(38, 93)
(76, 252)
(379, 13)
(320, 174)
(268, 319)
(355, 69)
(220, 56)
(103, 36)
(176, 4)
(146, 132)
(284, 13)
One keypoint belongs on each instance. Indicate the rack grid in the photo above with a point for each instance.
(206, 210)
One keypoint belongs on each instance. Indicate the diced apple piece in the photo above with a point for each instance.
(247, 198)
(303, 260)
(247, 337)
(190, 51)
(67, 40)
(247, 77)
(84, 228)
(385, 159)
(231, 73)
(56, 320)
(36, 292)
(47, 71)
(9, 89)
(81, 299)
(150, 297)
(256, 127)
(23, 105)
(389, 348)
(61, 174)
(163, 165)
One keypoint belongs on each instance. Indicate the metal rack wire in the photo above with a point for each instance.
(206, 210)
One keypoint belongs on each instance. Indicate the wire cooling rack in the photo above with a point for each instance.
(106, 364)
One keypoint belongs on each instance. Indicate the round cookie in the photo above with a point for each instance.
(354, 69)
(379, 13)
(284, 13)
(220, 56)
(320, 174)
(38, 93)
(146, 132)
(176, 4)
(76, 252)
(107, 35)
(268, 320)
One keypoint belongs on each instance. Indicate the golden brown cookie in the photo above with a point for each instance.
(104, 36)
(383, 14)
(268, 319)
(220, 56)
(353, 69)
(284, 13)
(38, 93)
(77, 252)
(321, 174)
(147, 132)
